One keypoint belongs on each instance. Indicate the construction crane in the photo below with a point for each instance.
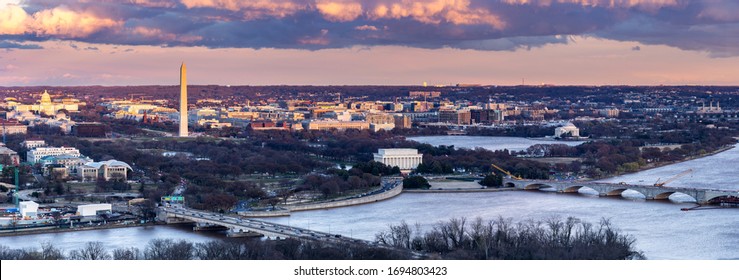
(506, 172)
(686, 172)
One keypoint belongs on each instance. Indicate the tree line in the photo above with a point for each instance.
(607, 157)
(231, 249)
(552, 239)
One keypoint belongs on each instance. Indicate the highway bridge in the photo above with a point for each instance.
(244, 225)
(701, 196)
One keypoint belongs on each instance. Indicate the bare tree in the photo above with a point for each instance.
(211, 250)
(481, 234)
(167, 249)
(131, 253)
(91, 251)
(454, 231)
(49, 252)
(398, 236)
(10, 254)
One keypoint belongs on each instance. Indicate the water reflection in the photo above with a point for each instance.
(112, 238)
(489, 143)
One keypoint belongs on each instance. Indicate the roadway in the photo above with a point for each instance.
(26, 195)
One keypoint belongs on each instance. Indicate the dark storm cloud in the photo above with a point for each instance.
(5, 44)
(711, 25)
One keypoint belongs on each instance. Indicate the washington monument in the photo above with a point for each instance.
(183, 100)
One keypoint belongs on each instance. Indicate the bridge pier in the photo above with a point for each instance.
(208, 227)
(233, 233)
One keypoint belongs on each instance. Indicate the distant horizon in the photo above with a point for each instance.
(374, 85)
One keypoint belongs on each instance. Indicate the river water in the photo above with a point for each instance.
(662, 231)
(490, 143)
(112, 238)
(713, 172)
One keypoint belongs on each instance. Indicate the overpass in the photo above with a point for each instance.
(241, 225)
(701, 196)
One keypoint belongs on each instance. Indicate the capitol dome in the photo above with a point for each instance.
(45, 98)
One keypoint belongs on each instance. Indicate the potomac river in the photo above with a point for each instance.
(662, 231)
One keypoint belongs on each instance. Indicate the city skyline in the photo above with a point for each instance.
(356, 42)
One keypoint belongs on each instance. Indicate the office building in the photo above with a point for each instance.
(35, 155)
(109, 169)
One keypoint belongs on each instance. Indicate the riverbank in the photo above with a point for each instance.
(658, 165)
(42, 230)
(460, 190)
(382, 194)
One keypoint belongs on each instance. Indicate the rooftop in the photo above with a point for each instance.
(112, 163)
(399, 151)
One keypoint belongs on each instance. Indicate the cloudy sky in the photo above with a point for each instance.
(369, 42)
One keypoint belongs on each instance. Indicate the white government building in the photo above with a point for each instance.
(109, 169)
(46, 106)
(405, 159)
(567, 128)
(35, 155)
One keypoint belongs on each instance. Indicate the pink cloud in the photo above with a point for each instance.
(61, 22)
(708, 25)
(366, 28)
(599, 3)
(339, 10)
(436, 11)
(13, 20)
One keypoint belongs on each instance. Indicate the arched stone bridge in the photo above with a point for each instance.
(701, 196)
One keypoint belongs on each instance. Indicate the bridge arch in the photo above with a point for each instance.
(716, 199)
(509, 185)
(537, 186)
(625, 192)
(572, 189)
(675, 196)
(663, 196)
(616, 192)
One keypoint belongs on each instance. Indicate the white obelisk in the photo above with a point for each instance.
(183, 100)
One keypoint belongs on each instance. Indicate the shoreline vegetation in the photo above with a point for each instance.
(707, 154)
(45, 229)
